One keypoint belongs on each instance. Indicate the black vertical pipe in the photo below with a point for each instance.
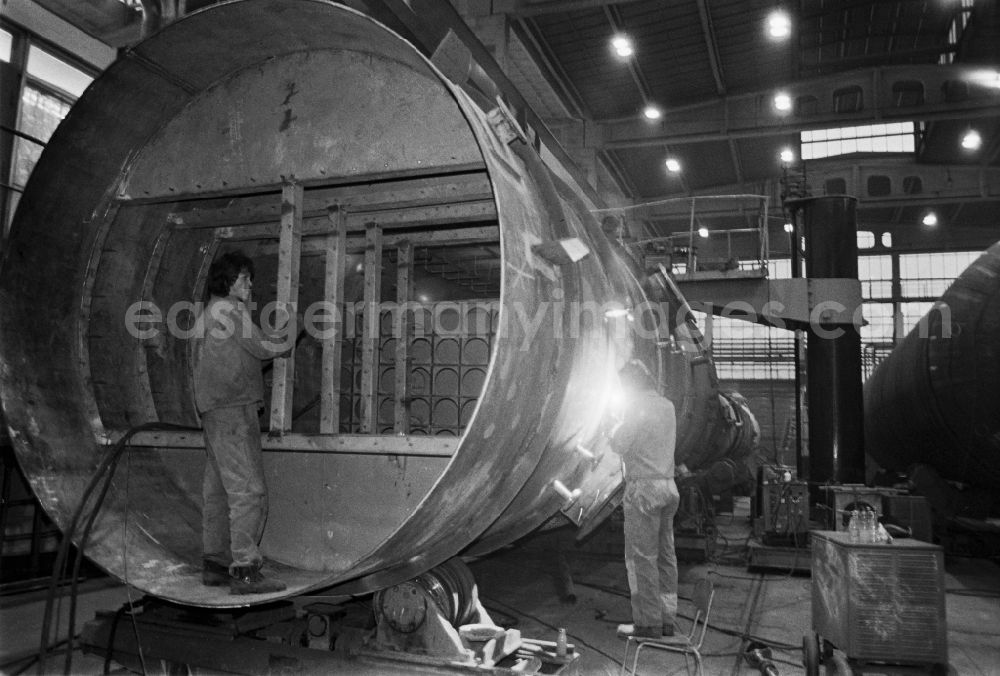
(833, 357)
(795, 250)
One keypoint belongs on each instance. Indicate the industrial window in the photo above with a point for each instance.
(777, 268)
(866, 239)
(878, 332)
(780, 268)
(40, 114)
(878, 185)
(835, 186)
(911, 313)
(6, 43)
(895, 137)
(913, 185)
(806, 105)
(873, 354)
(55, 72)
(879, 323)
(907, 93)
(742, 350)
(955, 30)
(877, 335)
(52, 86)
(875, 273)
(849, 99)
(928, 275)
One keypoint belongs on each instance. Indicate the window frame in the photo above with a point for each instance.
(15, 81)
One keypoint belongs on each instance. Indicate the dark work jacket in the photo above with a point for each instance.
(228, 354)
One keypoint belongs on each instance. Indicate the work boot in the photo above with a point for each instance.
(249, 580)
(213, 573)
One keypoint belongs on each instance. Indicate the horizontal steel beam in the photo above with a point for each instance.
(789, 303)
(435, 216)
(320, 201)
(350, 185)
(485, 235)
(525, 8)
(938, 184)
(350, 444)
(753, 115)
(907, 182)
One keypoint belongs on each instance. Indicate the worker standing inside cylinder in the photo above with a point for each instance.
(645, 438)
(229, 392)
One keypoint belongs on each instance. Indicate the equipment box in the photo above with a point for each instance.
(880, 602)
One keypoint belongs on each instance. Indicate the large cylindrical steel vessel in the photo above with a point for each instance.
(234, 128)
(934, 400)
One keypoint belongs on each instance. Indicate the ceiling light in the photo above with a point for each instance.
(789, 227)
(782, 102)
(703, 232)
(779, 25)
(787, 155)
(673, 165)
(622, 46)
(652, 113)
(930, 218)
(972, 140)
(986, 78)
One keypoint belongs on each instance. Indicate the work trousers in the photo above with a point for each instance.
(235, 497)
(650, 559)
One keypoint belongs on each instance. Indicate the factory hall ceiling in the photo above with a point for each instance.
(713, 71)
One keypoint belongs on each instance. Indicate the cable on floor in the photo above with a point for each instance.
(102, 477)
(554, 628)
(6, 667)
(722, 630)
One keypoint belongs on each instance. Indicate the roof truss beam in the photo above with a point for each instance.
(939, 185)
(524, 8)
(751, 115)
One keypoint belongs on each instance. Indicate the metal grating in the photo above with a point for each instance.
(878, 602)
(448, 358)
(896, 607)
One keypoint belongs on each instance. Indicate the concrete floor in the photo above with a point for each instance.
(521, 586)
(771, 607)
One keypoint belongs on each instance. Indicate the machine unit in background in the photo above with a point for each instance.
(910, 511)
(842, 500)
(877, 602)
(781, 507)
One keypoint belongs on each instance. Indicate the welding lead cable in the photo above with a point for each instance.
(117, 453)
(755, 592)
(105, 470)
